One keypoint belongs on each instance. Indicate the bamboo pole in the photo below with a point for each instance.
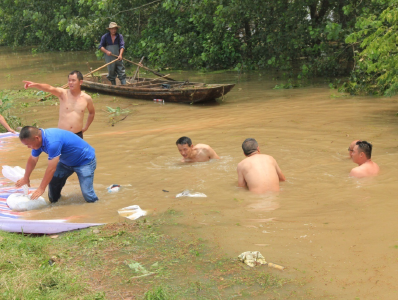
(138, 68)
(149, 80)
(145, 68)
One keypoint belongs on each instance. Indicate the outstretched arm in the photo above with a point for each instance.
(91, 113)
(58, 92)
(5, 124)
(48, 175)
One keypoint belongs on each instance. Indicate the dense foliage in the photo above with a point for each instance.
(313, 37)
(377, 61)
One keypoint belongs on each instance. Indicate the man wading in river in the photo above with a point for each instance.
(361, 155)
(72, 103)
(113, 43)
(67, 154)
(259, 172)
(198, 153)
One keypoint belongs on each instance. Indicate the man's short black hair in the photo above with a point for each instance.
(184, 140)
(249, 146)
(28, 132)
(78, 74)
(365, 147)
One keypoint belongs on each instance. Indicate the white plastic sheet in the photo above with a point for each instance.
(187, 193)
(132, 212)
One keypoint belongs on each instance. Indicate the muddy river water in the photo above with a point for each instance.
(335, 233)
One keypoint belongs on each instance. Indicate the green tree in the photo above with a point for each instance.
(375, 45)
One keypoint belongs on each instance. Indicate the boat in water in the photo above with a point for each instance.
(158, 88)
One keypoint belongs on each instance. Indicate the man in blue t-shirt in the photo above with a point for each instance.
(67, 153)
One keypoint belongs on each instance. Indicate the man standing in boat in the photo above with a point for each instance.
(72, 103)
(113, 43)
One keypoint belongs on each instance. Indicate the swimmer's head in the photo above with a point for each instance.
(351, 147)
(31, 137)
(249, 146)
(184, 145)
(362, 152)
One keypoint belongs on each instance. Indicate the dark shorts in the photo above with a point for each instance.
(80, 134)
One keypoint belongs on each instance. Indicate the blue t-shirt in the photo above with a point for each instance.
(72, 150)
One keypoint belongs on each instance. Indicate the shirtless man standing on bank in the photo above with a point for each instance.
(361, 155)
(198, 153)
(73, 103)
(260, 173)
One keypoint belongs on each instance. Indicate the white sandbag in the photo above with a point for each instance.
(187, 193)
(20, 202)
(132, 212)
(14, 174)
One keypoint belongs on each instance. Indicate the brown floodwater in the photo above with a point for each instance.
(334, 232)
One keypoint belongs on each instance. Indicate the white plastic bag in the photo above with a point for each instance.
(20, 202)
(14, 174)
(187, 193)
(132, 212)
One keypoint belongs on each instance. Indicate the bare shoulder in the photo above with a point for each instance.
(267, 158)
(86, 96)
(240, 165)
(356, 172)
(63, 92)
(202, 146)
(243, 162)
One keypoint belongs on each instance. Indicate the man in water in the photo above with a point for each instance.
(361, 155)
(198, 153)
(351, 147)
(67, 153)
(73, 103)
(259, 172)
(113, 43)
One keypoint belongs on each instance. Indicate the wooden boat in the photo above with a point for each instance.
(159, 88)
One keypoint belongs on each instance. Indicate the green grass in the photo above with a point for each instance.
(140, 260)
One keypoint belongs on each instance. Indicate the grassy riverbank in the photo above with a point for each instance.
(131, 260)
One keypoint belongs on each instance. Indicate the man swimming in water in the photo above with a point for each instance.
(260, 173)
(198, 153)
(73, 103)
(351, 147)
(361, 155)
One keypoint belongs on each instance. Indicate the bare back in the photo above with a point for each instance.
(71, 111)
(260, 173)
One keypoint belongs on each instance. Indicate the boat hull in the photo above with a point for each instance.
(188, 93)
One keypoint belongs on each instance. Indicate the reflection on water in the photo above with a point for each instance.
(336, 232)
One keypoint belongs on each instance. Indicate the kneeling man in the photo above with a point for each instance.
(67, 153)
(361, 155)
(198, 153)
(259, 172)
